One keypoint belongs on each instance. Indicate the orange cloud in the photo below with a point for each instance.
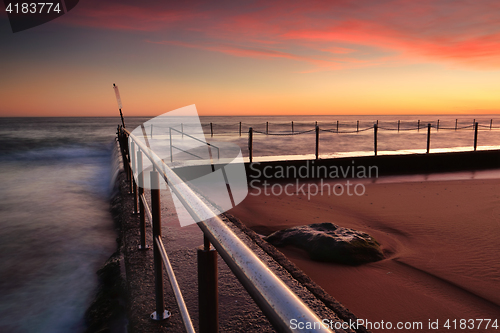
(315, 32)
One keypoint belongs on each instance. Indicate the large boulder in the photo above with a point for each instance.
(331, 243)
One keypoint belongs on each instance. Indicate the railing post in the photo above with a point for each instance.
(211, 130)
(160, 312)
(491, 123)
(134, 184)
(437, 127)
(208, 298)
(267, 127)
(240, 128)
(130, 171)
(475, 136)
(357, 126)
(292, 126)
(337, 126)
(456, 124)
(428, 138)
(375, 129)
(317, 142)
(171, 151)
(399, 122)
(250, 143)
(142, 212)
(418, 126)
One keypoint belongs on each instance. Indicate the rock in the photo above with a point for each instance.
(331, 243)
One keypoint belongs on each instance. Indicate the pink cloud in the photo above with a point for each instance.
(457, 32)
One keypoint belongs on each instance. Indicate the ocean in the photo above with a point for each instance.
(57, 174)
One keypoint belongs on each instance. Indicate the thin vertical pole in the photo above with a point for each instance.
(211, 130)
(418, 126)
(437, 127)
(337, 126)
(208, 300)
(292, 126)
(357, 126)
(267, 127)
(171, 155)
(428, 138)
(250, 144)
(130, 171)
(456, 124)
(491, 123)
(317, 141)
(142, 223)
(475, 136)
(160, 312)
(375, 130)
(134, 184)
(399, 123)
(240, 128)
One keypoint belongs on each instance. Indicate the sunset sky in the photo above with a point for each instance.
(256, 58)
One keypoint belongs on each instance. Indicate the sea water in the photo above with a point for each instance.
(56, 175)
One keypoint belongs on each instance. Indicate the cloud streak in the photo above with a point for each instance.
(327, 35)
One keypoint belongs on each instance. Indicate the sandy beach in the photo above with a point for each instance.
(440, 239)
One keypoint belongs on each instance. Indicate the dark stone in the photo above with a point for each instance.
(330, 243)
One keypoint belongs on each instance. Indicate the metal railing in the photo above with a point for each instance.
(276, 300)
(375, 127)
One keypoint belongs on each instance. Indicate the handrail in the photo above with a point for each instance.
(275, 299)
(186, 319)
(192, 137)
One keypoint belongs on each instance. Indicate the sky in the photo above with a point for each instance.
(283, 57)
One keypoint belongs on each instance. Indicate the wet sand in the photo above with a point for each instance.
(441, 239)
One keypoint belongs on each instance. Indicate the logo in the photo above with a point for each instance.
(214, 171)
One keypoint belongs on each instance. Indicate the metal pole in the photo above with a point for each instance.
(317, 142)
(118, 99)
(375, 129)
(437, 127)
(428, 138)
(337, 126)
(208, 298)
(456, 124)
(130, 172)
(292, 126)
(267, 127)
(142, 216)
(240, 128)
(211, 130)
(160, 312)
(171, 155)
(418, 126)
(357, 126)
(491, 123)
(475, 136)
(399, 122)
(250, 143)
(134, 185)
